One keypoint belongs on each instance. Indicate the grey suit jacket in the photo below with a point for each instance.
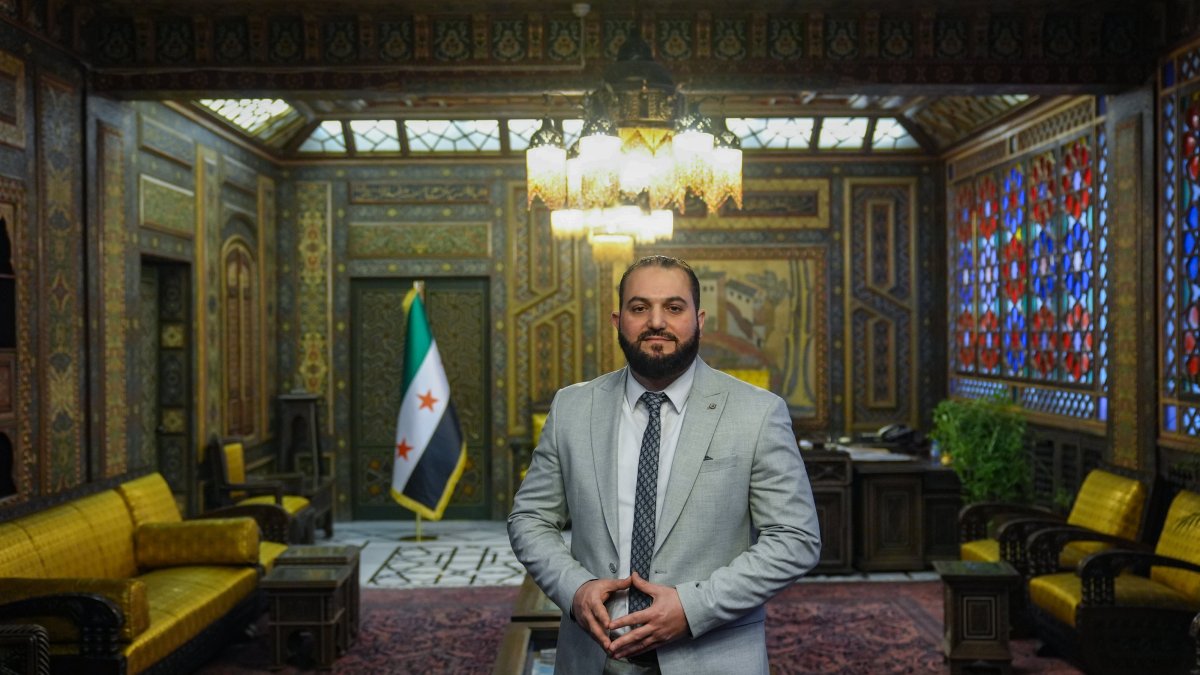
(737, 525)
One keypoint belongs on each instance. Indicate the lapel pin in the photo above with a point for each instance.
(712, 406)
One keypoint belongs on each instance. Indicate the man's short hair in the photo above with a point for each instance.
(666, 262)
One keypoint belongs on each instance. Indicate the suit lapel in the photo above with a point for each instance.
(704, 408)
(606, 414)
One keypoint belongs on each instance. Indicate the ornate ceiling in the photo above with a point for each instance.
(944, 68)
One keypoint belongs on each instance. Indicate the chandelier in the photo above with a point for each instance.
(640, 153)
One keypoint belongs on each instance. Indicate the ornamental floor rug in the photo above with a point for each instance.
(867, 628)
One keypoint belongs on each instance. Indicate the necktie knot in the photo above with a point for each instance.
(653, 400)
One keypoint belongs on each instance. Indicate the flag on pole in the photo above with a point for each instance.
(430, 450)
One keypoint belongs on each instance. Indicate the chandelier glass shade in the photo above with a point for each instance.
(640, 153)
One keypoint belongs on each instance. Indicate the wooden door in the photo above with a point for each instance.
(458, 316)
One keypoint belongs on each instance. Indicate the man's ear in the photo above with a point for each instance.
(616, 320)
(700, 323)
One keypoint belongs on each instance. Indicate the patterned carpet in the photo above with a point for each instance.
(829, 628)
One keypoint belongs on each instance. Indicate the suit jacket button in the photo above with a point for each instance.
(612, 568)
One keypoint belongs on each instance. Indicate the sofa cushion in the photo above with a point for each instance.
(150, 500)
(1181, 542)
(128, 594)
(18, 557)
(982, 550)
(63, 541)
(111, 528)
(184, 601)
(214, 541)
(1109, 503)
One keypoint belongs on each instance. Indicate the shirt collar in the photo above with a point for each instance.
(677, 392)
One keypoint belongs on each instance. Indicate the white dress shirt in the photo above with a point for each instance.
(634, 418)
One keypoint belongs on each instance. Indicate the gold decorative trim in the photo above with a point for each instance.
(755, 188)
(12, 129)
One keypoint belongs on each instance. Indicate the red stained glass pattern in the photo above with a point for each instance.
(987, 245)
(964, 277)
(1078, 264)
(1043, 267)
(1014, 270)
(1189, 252)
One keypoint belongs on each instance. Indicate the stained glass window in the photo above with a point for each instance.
(375, 136)
(1014, 271)
(249, 114)
(1189, 253)
(453, 135)
(520, 131)
(891, 135)
(328, 137)
(842, 133)
(1043, 268)
(988, 270)
(772, 133)
(1077, 263)
(1028, 258)
(964, 278)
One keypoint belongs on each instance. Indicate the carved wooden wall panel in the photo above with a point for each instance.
(882, 309)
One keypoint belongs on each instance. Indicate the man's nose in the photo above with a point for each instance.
(658, 318)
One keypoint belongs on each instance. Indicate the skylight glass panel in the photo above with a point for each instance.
(842, 133)
(890, 135)
(251, 115)
(453, 135)
(521, 131)
(325, 138)
(375, 135)
(772, 133)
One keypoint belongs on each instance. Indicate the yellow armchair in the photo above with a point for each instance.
(1110, 614)
(230, 485)
(1107, 503)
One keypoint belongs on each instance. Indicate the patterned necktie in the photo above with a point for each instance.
(642, 546)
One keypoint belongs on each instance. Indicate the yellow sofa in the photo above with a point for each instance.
(124, 585)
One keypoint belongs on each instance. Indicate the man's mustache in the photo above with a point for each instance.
(657, 333)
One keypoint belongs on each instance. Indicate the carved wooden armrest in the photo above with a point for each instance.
(1098, 572)
(293, 483)
(973, 519)
(1013, 534)
(99, 619)
(272, 519)
(1044, 546)
(257, 488)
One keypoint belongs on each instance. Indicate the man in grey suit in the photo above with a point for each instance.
(693, 501)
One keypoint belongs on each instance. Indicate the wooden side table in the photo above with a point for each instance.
(321, 555)
(977, 614)
(311, 599)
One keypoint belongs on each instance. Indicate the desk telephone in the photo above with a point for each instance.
(893, 433)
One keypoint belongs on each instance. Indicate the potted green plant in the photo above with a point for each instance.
(985, 440)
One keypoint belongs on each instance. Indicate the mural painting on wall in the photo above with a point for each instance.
(767, 314)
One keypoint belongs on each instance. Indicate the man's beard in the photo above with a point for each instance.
(659, 366)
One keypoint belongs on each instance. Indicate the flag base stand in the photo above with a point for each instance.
(417, 536)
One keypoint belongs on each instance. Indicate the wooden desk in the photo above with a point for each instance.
(906, 514)
(831, 477)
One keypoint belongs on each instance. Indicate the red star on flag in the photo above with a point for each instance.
(427, 400)
(402, 449)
